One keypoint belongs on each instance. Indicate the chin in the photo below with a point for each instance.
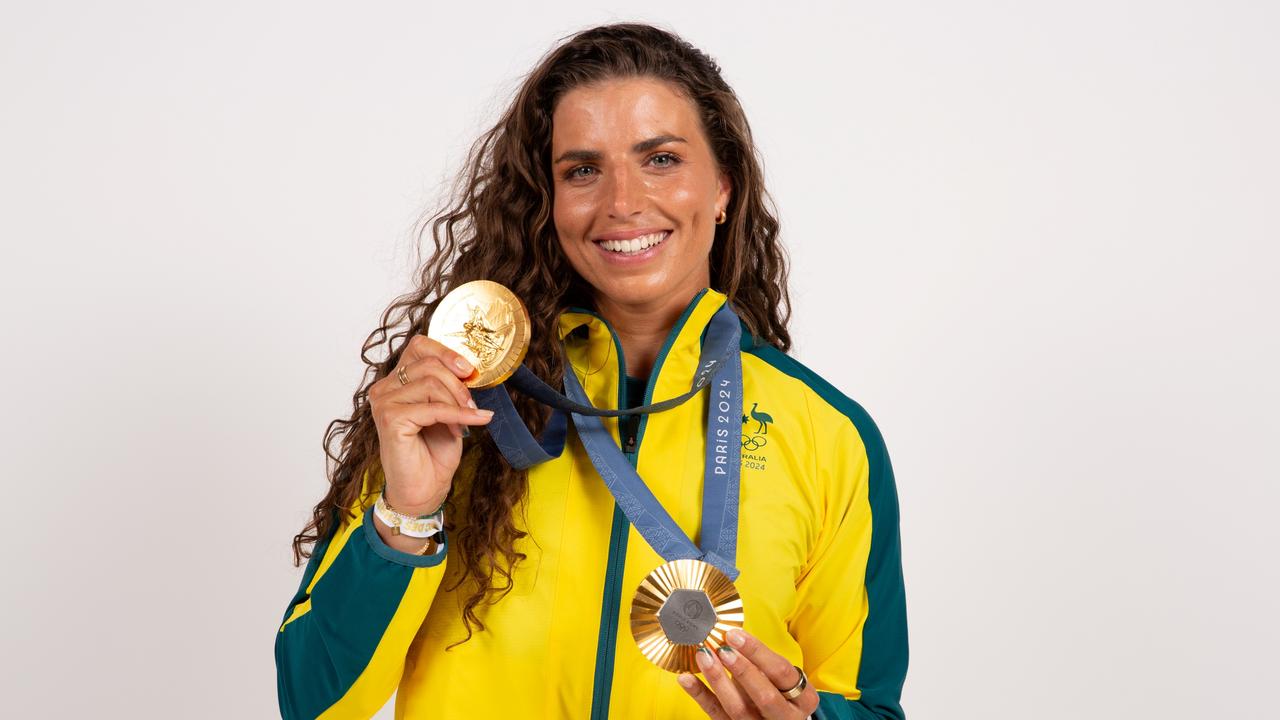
(635, 290)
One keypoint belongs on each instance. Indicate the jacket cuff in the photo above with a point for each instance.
(387, 552)
(834, 706)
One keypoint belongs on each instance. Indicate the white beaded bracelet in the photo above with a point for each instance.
(416, 527)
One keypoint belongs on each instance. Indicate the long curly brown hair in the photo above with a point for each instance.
(498, 226)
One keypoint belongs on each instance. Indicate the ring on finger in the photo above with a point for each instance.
(404, 377)
(799, 687)
(434, 367)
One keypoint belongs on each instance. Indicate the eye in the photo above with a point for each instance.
(573, 173)
(671, 158)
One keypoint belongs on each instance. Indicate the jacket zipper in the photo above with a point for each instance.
(609, 614)
(620, 532)
(610, 606)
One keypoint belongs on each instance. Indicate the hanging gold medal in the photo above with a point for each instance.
(488, 325)
(681, 606)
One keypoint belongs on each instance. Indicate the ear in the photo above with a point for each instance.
(726, 191)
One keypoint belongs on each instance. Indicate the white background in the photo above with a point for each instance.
(1038, 241)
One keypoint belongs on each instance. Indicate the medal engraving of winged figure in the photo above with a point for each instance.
(486, 333)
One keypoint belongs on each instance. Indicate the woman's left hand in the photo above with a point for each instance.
(753, 691)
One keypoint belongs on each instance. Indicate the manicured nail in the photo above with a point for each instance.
(686, 680)
(736, 638)
(727, 655)
(484, 413)
(462, 364)
(471, 403)
(466, 431)
(704, 659)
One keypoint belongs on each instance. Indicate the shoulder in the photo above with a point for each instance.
(844, 442)
(828, 401)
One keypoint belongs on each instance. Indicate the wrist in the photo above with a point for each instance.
(405, 523)
(405, 543)
(395, 526)
(420, 510)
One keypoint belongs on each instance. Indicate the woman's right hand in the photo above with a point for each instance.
(419, 424)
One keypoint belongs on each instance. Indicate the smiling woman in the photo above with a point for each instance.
(620, 198)
(636, 219)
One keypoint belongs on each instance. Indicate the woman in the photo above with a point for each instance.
(620, 198)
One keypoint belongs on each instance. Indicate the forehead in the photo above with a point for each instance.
(619, 112)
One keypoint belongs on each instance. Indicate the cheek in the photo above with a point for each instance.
(570, 224)
(689, 199)
(571, 213)
(686, 197)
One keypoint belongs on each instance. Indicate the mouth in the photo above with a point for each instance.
(635, 246)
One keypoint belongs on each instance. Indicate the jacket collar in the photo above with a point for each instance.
(594, 352)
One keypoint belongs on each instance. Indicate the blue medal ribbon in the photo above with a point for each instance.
(720, 370)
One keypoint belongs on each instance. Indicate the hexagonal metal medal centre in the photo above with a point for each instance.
(687, 617)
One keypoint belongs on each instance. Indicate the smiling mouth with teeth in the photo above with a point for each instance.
(634, 245)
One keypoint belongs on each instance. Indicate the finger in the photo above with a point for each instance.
(408, 419)
(808, 701)
(434, 367)
(760, 691)
(420, 346)
(431, 388)
(779, 670)
(702, 695)
(731, 697)
(430, 380)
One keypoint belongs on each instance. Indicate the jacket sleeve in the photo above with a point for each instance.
(340, 650)
(851, 619)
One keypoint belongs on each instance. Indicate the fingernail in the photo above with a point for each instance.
(466, 431)
(704, 659)
(471, 403)
(484, 413)
(686, 680)
(728, 655)
(462, 364)
(736, 638)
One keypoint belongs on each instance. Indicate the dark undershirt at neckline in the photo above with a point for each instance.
(629, 425)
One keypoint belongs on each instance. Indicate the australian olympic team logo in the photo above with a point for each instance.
(755, 431)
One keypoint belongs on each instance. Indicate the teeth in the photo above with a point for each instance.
(634, 245)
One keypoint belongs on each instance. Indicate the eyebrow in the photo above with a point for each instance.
(642, 146)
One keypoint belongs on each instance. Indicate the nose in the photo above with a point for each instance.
(625, 193)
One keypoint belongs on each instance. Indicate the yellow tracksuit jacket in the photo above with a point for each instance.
(818, 549)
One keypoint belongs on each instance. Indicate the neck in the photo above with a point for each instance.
(643, 327)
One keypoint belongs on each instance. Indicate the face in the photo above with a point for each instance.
(637, 191)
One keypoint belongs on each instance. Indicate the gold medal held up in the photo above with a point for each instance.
(488, 325)
(681, 606)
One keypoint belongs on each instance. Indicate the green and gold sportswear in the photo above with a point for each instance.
(818, 550)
